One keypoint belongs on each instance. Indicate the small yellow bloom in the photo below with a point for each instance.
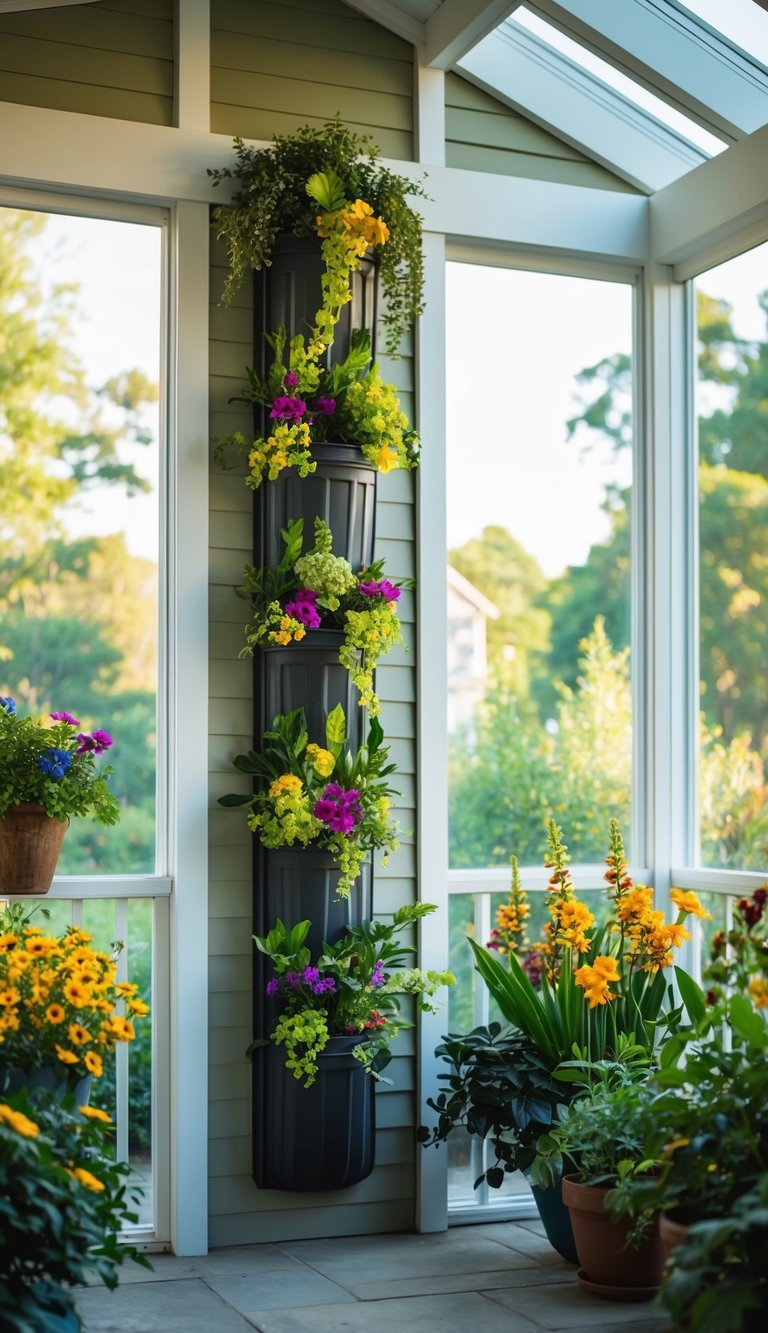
(67, 1057)
(78, 1035)
(138, 1007)
(287, 782)
(85, 1178)
(76, 993)
(8, 942)
(9, 996)
(758, 989)
(93, 1064)
(20, 1123)
(386, 459)
(95, 1113)
(688, 902)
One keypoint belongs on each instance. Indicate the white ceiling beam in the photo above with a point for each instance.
(391, 16)
(694, 220)
(670, 51)
(80, 155)
(529, 75)
(458, 25)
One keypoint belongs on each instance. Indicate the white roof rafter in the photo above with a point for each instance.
(528, 74)
(669, 50)
(458, 25)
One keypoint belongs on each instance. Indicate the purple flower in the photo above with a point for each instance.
(55, 763)
(377, 975)
(381, 589)
(290, 379)
(325, 406)
(310, 974)
(288, 409)
(273, 986)
(340, 810)
(7, 703)
(65, 717)
(293, 979)
(95, 744)
(325, 984)
(303, 608)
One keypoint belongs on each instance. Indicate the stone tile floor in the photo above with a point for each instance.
(497, 1278)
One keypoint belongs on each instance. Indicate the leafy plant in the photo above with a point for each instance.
(352, 989)
(279, 189)
(52, 763)
(716, 1278)
(319, 590)
(322, 797)
(574, 1004)
(63, 1201)
(500, 1088)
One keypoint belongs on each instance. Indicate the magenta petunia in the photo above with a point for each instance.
(290, 379)
(325, 406)
(288, 409)
(303, 608)
(382, 588)
(65, 717)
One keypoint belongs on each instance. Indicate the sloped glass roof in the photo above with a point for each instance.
(741, 21)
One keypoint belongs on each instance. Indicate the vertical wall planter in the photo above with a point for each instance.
(318, 1138)
(307, 675)
(342, 491)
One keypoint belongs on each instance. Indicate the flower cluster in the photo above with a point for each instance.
(352, 989)
(348, 816)
(739, 956)
(61, 1003)
(50, 761)
(306, 404)
(616, 969)
(319, 590)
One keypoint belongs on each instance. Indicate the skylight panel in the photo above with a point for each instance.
(742, 21)
(674, 120)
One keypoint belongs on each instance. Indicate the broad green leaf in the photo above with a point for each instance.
(336, 727)
(692, 996)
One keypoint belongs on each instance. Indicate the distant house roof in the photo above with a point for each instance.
(463, 588)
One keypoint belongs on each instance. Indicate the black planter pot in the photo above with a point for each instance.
(306, 675)
(287, 295)
(342, 490)
(318, 1138)
(299, 884)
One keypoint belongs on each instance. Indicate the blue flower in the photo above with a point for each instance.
(7, 703)
(55, 762)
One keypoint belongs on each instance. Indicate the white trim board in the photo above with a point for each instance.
(159, 164)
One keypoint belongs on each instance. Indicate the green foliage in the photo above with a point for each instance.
(717, 1279)
(58, 1228)
(353, 989)
(500, 1088)
(271, 196)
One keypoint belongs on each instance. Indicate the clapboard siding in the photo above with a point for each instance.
(277, 66)
(111, 59)
(482, 134)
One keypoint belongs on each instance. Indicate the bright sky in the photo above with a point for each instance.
(116, 269)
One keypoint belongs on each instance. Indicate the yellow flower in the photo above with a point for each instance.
(20, 1123)
(85, 1178)
(9, 996)
(95, 1113)
(605, 967)
(321, 760)
(93, 1064)
(689, 903)
(67, 1057)
(674, 1145)
(758, 989)
(8, 941)
(138, 1007)
(286, 783)
(76, 993)
(78, 1035)
(386, 459)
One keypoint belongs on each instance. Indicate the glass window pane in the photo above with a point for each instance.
(79, 514)
(732, 420)
(539, 472)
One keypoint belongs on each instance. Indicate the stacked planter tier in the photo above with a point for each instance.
(319, 1138)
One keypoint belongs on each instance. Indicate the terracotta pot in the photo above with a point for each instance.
(30, 846)
(609, 1267)
(672, 1232)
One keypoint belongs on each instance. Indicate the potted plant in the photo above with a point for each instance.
(62, 1007)
(500, 1088)
(609, 1133)
(63, 1201)
(49, 773)
(322, 797)
(334, 1017)
(318, 591)
(271, 196)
